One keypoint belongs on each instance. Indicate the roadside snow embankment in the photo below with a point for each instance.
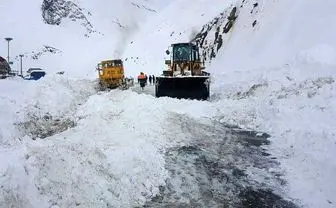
(279, 77)
(294, 103)
(27, 103)
(112, 156)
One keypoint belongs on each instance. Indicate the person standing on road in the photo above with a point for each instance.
(150, 79)
(142, 80)
(153, 79)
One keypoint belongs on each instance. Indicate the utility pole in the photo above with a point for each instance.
(8, 40)
(21, 55)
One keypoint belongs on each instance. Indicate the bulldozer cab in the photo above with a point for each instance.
(111, 73)
(111, 69)
(110, 64)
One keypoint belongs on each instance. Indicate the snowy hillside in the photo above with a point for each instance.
(266, 137)
(82, 32)
(147, 51)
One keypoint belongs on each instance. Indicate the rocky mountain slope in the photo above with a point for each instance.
(86, 29)
(53, 12)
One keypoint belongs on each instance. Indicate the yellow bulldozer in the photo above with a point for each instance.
(185, 76)
(111, 75)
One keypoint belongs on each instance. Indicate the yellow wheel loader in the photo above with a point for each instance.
(185, 76)
(111, 75)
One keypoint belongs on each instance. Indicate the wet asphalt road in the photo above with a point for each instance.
(220, 166)
(148, 89)
(218, 169)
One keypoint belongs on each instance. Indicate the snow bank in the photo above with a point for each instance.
(295, 104)
(279, 77)
(113, 156)
(53, 96)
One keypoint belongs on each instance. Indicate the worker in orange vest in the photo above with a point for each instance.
(142, 80)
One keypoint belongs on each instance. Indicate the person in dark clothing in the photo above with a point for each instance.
(153, 78)
(146, 78)
(150, 79)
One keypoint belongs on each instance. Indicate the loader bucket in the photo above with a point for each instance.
(183, 87)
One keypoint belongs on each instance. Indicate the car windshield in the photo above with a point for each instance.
(182, 53)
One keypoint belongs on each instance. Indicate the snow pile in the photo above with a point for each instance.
(53, 97)
(113, 156)
(297, 109)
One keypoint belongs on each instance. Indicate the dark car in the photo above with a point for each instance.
(35, 74)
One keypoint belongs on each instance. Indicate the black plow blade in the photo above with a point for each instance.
(183, 87)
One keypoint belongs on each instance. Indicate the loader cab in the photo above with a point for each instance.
(185, 52)
(184, 60)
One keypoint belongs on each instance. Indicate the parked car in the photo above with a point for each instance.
(35, 74)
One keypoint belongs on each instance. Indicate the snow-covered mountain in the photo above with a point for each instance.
(90, 30)
(273, 71)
